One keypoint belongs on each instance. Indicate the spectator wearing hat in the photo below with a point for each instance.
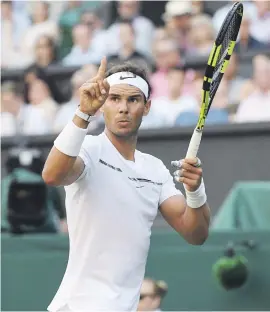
(177, 18)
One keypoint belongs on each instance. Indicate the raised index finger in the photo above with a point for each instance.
(102, 68)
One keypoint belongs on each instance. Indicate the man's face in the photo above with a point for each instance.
(126, 35)
(81, 36)
(124, 109)
(127, 9)
(166, 56)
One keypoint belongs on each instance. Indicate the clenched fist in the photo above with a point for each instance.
(189, 173)
(94, 92)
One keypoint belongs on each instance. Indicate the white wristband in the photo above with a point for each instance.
(70, 140)
(198, 198)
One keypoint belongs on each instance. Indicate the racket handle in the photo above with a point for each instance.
(194, 144)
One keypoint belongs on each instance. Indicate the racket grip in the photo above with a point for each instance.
(194, 144)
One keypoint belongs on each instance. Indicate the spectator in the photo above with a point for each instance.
(177, 18)
(67, 20)
(67, 111)
(17, 118)
(220, 14)
(99, 35)
(143, 27)
(246, 41)
(40, 97)
(234, 80)
(218, 113)
(45, 52)
(41, 25)
(166, 56)
(127, 50)
(172, 105)
(151, 295)
(256, 107)
(82, 51)
(35, 72)
(201, 42)
(13, 25)
(260, 26)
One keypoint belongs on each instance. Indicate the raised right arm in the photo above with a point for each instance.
(62, 169)
(63, 165)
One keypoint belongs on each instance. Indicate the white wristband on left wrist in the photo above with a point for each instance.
(197, 198)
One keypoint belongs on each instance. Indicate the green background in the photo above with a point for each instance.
(33, 266)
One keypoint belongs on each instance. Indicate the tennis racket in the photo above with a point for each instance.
(217, 63)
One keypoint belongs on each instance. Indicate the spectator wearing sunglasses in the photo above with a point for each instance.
(152, 294)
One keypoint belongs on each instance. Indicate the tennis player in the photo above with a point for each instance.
(113, 193)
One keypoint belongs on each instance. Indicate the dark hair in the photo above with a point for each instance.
(131, 68)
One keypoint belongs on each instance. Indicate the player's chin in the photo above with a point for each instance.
(125, 130)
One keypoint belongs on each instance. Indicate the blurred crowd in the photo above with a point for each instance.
(36, 36)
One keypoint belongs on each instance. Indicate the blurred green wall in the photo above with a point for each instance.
(32, 268)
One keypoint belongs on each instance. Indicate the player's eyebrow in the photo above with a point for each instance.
(129, 96)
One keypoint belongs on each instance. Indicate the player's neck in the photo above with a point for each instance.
(125, 146)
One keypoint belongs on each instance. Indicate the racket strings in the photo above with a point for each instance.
(217, 76)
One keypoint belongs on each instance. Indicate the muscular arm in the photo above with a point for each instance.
(61, 169)
(192, 224)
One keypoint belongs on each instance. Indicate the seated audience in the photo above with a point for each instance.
(41, 26)
(221, 13)
(234, 80)
(246, 41)
(40, 97)
(99, 35)
(177, 18)
(17, 118)
(143, 27)
(13, 26)
(82, 51)
(172, 105)
(68, 18)
(260, 26)
(127, 51)
(45, 52)
(201, 42)
(218, 113)
(166, 55)
(256, 107)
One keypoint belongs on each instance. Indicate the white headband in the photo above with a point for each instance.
(131, 79)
